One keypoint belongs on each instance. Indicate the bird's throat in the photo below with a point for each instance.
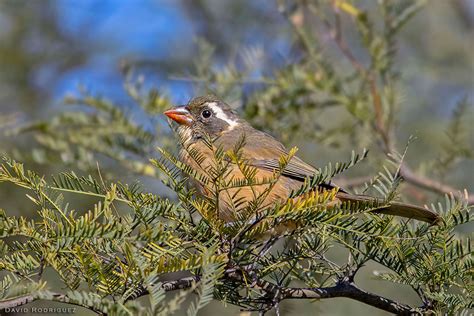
(186, 134)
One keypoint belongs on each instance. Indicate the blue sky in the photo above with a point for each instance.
(163, 31)
(143, 30)
(121, 29)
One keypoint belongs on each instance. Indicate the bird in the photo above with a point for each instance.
(208, 117)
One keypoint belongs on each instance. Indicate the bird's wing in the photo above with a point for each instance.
(296, 169)
(263, 151)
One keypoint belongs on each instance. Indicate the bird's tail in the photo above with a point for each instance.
(395, 208)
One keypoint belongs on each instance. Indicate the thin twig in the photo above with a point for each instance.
(386, 133)
(432, 185)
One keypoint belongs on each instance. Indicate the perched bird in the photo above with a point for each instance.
(207, 115)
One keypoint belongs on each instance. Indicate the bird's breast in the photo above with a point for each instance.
(234, 197)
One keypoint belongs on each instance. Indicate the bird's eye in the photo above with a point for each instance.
(206, 114)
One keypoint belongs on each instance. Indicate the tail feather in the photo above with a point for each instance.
(395, 208)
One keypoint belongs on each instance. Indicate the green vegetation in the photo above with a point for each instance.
(122, 255)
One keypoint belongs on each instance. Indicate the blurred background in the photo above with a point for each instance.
(52, 51)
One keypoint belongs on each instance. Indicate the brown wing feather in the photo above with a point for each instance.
(267, 157)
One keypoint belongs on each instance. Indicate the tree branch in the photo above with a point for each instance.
(386, 133)
(172, 285)
(276, 294)
(344, 288)
(430, 184)
(414, 179)
(349, 290)
(179, 284)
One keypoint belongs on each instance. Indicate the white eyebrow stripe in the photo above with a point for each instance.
(221, 115)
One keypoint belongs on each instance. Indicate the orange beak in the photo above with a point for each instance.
(180, 115)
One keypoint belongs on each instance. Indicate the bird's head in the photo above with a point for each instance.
(205, 114)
